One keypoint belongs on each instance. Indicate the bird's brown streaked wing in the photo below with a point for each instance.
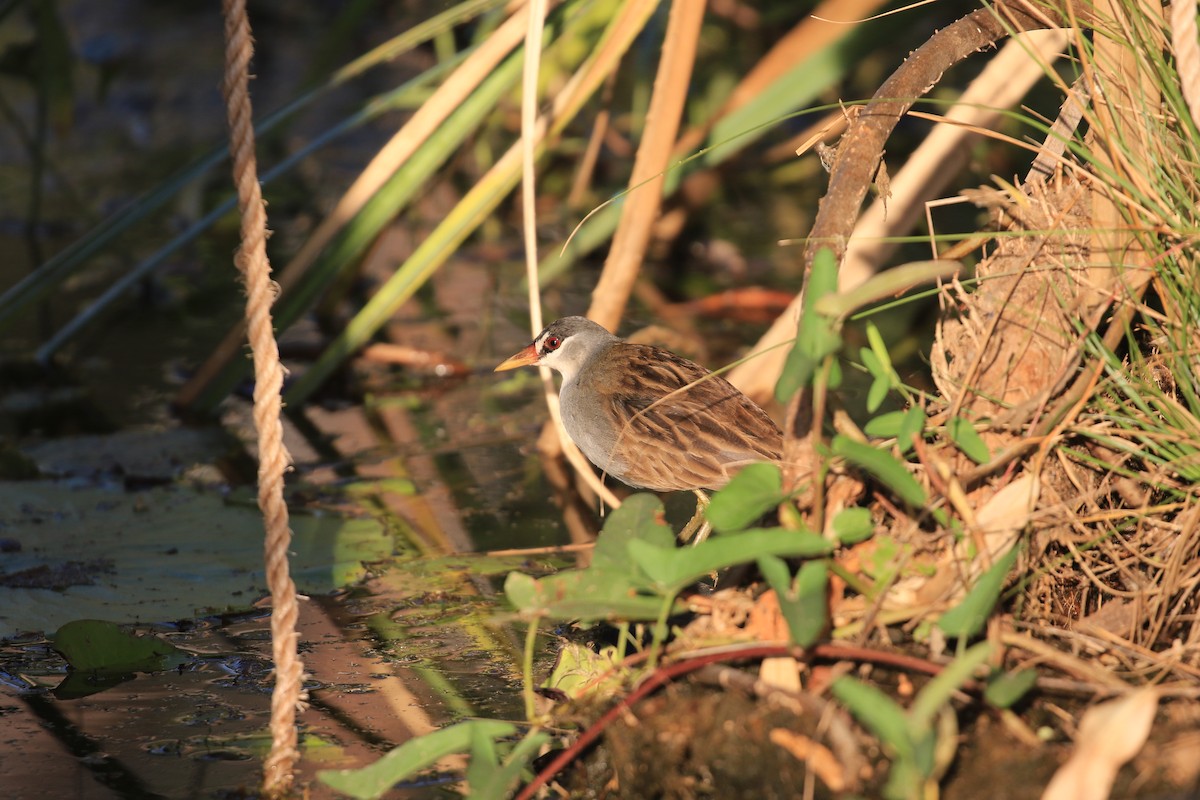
(719, 428)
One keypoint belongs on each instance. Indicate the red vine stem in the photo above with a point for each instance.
(251, 261)
(838, 652)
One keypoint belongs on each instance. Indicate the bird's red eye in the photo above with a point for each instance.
(552, 343)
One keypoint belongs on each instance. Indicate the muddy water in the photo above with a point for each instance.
(409, 650)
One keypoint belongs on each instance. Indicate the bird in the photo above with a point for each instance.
(647, 417)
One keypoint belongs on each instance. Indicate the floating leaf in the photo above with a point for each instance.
(168, 553)
(92, 645)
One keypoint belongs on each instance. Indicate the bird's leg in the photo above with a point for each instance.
(697, 526)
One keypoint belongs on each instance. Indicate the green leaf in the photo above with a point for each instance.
(497, 782)
(964, 435)
(521, 591)
(937, 693)
(853, 525)
(672, 568)
(640, 518)
(586, 595)
(1005, 688)
(885, 426)
(880, 372)
(92, 645)
(968, 617)
(871, 362)
(911, 425)
(890, 472)
(880, 352)
(804, 603)
(412, 757)
(817, 335)
(878, 712)
(155, 565)
(753, 492)
(484, 759)
(877, 394)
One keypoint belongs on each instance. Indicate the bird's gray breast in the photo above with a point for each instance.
(590, 427)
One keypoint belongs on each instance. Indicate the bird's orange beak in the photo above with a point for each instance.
(523, 358)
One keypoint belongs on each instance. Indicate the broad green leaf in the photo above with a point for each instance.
(937, 693)
(878, 712)
(92, 645)
(1006, 688)
(817, 335)
(881, 377)
(497, 782)
(964, 435)
(753, 492)
(871, 361)
(881, 464)
(911, 425)
(968, 617)
(877, 394)
(880, 352)
(161, 554)
(586, 595)
(672, 568)
(639, 518)
(853, 525)
(898, 425)
(885, 426)
(803, 602)
(522, 591)
(484, 758)
(411, 757)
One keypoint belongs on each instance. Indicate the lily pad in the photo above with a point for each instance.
(167, 553)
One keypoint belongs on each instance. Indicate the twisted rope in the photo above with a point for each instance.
(251, 261)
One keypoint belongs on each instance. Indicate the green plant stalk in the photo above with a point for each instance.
(527, 688)
(819, 398)
(20, 297)
(460, 223)
(379, 211)
(659, 635)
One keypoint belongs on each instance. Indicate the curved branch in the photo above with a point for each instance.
(861, 148)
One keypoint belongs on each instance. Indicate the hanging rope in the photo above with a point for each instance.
(251, 260)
